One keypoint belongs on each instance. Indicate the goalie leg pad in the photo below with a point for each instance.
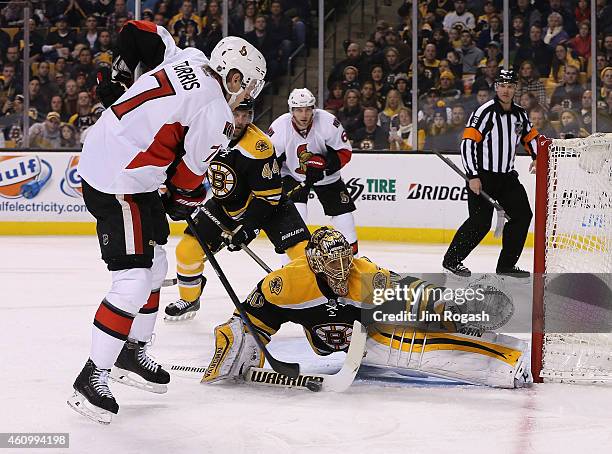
(235, 352)
(492, 360)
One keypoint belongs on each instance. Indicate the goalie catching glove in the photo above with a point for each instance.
(180, 203)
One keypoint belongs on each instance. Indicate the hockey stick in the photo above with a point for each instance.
(501, 213)
(169, 282)
(337, 382)
(299, 187)
(244, 247)
(289, 369)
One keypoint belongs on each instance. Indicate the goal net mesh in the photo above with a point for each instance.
(578, 255)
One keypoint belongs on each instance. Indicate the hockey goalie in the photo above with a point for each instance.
(327, 289)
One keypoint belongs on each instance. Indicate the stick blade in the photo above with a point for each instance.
(291, 370)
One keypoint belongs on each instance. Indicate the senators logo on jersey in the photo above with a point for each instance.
(303, 155)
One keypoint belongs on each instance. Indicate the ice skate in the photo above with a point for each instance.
(181, 310)
(92, 397)
(135, 368)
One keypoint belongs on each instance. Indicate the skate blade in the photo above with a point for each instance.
(81, 405)
(136, 381)
(180, 318)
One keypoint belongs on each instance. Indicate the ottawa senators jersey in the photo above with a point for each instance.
(246, 173)
(325, 135)
(176, 109)
(295, 294)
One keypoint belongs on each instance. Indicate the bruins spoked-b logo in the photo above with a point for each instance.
(222, 179)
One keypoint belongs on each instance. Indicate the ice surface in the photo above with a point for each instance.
(51, 287)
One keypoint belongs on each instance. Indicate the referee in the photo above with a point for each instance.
(488, 151)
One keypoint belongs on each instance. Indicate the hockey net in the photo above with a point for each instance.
(572, 328)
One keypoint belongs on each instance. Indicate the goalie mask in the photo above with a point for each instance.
(329, 255)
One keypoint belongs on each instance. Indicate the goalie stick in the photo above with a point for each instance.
(290, 369)
(337, 382)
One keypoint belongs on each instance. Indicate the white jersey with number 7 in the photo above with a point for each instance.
(176, 108)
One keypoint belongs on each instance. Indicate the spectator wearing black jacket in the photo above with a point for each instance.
(280, 28)
(353, 58)
(59, 43)
(264, 42)
(536, 50)
(371, 136)
(351, 113)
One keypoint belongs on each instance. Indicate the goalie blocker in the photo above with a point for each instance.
(327, 290)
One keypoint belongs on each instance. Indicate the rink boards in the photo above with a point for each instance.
(407, 197)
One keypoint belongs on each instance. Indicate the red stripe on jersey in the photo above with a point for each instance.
(185, 178)
(152, 303)
(113, 321)
(345, 156)
(143, 25)
(136, 224)
(163, 150)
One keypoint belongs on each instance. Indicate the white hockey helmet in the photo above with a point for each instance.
(233, 52)
(301, 97)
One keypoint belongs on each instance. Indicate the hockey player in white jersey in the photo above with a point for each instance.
(312, 146)
(164, 129)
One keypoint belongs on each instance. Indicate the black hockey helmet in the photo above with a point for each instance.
(246, 104)
(506, 76)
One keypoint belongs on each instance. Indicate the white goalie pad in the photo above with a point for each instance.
(493, 359)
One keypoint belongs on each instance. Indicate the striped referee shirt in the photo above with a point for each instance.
(491, 136)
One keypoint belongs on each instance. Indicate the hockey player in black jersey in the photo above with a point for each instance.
(247, 196)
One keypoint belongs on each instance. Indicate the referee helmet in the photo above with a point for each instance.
(506, 76)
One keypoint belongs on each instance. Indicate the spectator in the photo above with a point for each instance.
(440, 40)
(567, 18)
(9, 85)
(448, 93)
(240, 25)
(581, 43)
(59, 43)
(178, 24)
(351, 113)
(60, 83)
(370, 56)
(585, 110)
(371, 136)
(37, 100)
(529, 82)
(103, 53)
(582, 12)
(113, 22)
(518, 37)
(368, 95)
(61, 65)
(435, 138)
(458, 119)
(83, 118)
(456, 65)
(569, 94)
(486, 81)
(536, 50)
(401, 139)
(492, 52)
(392, 40)
(528, 101)
(280, 27)
(46, 134)
(160, 19)
(570, 125)
(380, 85)
(606, 48)
(470, 54)
(68, 136)
(427, 103)
(401, 85)
(392, 65)
(555, 34)
(388, 117)
(561, 59)
(36, 40)
(493, 33)
(482, 95)
(353, 58)
(606, 83)
(538, 119)
(604, 114)
(85, 66)
(188, 36)
(57, 105)
(263, 41)
(212, 13)
(459, 15)
(483, 22)
(47, 85)
(336, 98)
(14, 136)
(89, 36)
(5, 41)
(13, 58)
(430, 62)
(71, 97)
(604, 17)
(351, 78)
(525, 9)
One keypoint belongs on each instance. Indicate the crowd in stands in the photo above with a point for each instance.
(71, 40)
(459, 55)
(370, 90)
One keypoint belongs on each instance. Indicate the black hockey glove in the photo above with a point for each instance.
(180, 203)
(315, 169)
(241, 235)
